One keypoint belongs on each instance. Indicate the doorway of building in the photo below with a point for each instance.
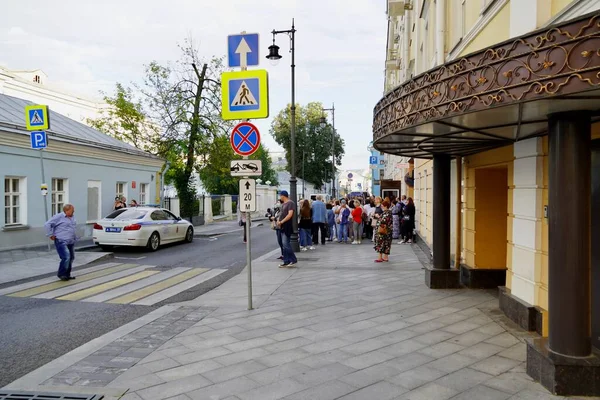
(491, 205)
(595, 241)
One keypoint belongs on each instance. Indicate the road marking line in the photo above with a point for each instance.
(29, 285)
(84, 285)
(111, 294)
(82, 294)
(172, 291)
(149, 290)
(61, 284)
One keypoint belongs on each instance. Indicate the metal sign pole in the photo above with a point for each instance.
(249, 259)
(248, 252)
(44, 196)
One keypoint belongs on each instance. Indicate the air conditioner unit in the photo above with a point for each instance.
(396, 8)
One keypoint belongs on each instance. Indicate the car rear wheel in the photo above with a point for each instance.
(189, 235)
(153, 242)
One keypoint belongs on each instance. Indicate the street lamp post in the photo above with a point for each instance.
(324, 123)
(274, 56)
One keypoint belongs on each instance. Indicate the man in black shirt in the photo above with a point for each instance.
(288, 211)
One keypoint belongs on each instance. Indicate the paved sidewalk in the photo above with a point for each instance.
(338, 326)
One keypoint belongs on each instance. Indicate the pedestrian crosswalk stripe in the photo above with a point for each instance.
(82, 294)
(111, 294)
(52, 279)
(157, 287)
(60, 284)
(183, 286)
(88, 284)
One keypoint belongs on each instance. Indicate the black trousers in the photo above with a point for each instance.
(316, 227)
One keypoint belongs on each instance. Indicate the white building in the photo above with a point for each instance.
(35, 86)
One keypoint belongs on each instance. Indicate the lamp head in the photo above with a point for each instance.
(323, 122)
(274, 55)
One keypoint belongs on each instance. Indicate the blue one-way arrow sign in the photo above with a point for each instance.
(242, 50)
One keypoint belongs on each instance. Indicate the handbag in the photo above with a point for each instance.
(382, 230)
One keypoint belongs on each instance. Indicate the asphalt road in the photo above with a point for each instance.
(34, 332)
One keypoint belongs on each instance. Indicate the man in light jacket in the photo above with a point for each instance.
(319, 220)
(61, 228)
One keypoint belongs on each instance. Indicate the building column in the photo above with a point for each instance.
(441, 276)
(569, 166)
(441, 212)
(563, 362)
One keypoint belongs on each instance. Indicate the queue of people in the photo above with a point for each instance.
(345, 221)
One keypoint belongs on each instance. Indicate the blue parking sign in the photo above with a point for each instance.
(39, 140)
(373, 160)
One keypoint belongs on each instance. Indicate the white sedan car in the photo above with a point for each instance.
(141, 226)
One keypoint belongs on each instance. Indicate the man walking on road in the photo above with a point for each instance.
(319, 218)
(61, 229)
(288, 211)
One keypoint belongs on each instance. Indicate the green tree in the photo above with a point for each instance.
(311, 139)
(126, 120)
(215, 171)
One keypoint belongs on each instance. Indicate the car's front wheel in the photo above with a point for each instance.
(189, 235)
(153, 242)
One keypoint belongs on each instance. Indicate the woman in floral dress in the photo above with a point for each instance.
(383, 233)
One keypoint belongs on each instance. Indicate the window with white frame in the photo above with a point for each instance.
(13, 201)
(459, 30)
(59, 195)
(143, 193)
(121, 189)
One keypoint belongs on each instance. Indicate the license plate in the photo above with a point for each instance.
(113, 229)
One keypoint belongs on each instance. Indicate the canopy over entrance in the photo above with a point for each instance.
(496, 96)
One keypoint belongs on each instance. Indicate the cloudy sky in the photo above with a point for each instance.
(85, 46)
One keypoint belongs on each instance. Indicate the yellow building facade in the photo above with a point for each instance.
(499, 198)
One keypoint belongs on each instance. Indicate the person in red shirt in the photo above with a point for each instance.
(357, 222)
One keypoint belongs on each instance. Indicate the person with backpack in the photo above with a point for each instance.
(357, 222)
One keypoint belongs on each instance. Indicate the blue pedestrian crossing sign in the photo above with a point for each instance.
(373, 160)
(244, 95)
(39, 140)
(37, 118)
(242, 50)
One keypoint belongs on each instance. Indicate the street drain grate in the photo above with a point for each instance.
(10, 395)
(307, 259)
